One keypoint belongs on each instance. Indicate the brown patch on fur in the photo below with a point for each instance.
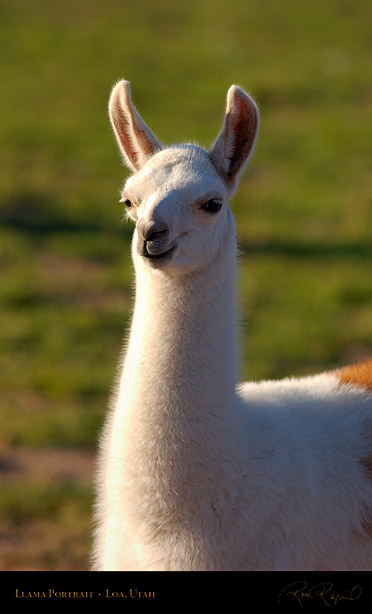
(359, 374)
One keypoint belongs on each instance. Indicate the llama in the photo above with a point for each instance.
(197, 472)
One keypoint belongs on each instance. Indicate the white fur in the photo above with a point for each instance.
(196, 473)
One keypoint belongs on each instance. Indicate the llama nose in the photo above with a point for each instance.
(150, 231)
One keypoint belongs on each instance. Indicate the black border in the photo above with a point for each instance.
(247, 591)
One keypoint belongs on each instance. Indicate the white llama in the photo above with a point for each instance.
(197, 473)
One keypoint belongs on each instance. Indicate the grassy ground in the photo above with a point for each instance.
(303, 210)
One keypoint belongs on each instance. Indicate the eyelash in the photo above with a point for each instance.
(211, 206)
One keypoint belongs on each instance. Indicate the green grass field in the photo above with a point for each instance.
(303, 212)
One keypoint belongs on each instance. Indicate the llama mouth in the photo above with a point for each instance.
(160, 260)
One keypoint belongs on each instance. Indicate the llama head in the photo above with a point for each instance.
(177, 196)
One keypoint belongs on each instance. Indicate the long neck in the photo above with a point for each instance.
(172, 436)
(181, 357)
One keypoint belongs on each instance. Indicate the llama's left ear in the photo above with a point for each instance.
(136, 141)
(236, 140)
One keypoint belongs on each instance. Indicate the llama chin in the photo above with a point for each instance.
(197, 472)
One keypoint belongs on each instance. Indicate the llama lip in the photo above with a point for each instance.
(160, 260)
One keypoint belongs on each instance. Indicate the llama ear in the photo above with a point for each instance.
(236, 140)
(136, 141)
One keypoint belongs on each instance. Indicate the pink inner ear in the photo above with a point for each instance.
(237, 137)
(122, 127)
(243, 136)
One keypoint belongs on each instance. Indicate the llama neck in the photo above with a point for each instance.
(181, 356)
(172, 437)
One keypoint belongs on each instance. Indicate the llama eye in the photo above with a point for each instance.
(212, 206)
(128, 203)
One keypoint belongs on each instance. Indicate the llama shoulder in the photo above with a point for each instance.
(328, 414)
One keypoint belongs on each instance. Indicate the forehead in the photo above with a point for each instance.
(178, 169)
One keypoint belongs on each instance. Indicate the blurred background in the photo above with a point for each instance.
(303, 212)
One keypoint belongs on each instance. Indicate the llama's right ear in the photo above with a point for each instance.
(136, 141)
(236, 140)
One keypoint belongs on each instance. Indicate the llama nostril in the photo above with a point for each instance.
(152, 236)
(152, 230)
